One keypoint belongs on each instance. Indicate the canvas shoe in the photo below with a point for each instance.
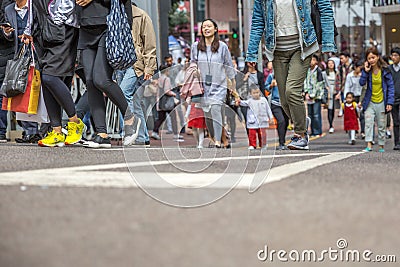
(98, 142)
(131, 131)
(52, 139)
(75, 132)
(178, 138)
(155, 136)
(331, 130)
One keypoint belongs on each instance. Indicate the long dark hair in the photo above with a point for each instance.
(327, 68)
(202, 42)
(373, 50)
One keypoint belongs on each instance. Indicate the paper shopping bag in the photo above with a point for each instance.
(41, 116)
(27, 102)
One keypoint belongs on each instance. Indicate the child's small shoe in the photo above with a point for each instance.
(367, 149)
(251, 148)
(381, 150)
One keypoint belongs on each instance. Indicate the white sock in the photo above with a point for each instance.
(201, 136)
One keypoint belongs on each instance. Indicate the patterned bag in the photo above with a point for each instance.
(119, 42)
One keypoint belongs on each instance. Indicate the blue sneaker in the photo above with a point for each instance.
(298, 143)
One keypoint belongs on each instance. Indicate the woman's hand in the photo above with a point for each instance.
(83, 2)
(337, 97)
(388, 108)
(367, 66)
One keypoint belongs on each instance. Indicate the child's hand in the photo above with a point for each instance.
(237, 102)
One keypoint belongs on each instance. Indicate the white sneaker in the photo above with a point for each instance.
(199, 147)
(178, 138)
(155, 135)
(251, 148)
(331, 130)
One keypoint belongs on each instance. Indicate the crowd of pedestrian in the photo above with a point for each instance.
(204, 95)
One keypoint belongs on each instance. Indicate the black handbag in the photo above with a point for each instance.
(316, 20)
(166, 102)
(17, 70)
(52, 34)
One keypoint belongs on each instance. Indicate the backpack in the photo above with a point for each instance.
(120, 48)
(354, 106)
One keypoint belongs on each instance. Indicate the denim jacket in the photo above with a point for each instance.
(275, 99)
(387, 87)
(263, 21)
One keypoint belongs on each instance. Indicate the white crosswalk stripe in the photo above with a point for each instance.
(105, 176)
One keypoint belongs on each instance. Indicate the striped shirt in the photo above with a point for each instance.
(286, 43)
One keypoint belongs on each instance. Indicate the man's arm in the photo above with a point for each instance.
(149, 47)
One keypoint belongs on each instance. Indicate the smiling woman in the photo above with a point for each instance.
(215, 64)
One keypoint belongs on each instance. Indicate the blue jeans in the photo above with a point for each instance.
(314, 112)
(30, 127)
(3, 118)
(133, 90)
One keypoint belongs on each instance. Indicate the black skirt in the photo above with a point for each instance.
(59, 60)
(89, 37)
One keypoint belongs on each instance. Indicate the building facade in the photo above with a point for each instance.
(389, 11)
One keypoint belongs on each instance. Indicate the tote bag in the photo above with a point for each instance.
(120, 49)
(16, 76)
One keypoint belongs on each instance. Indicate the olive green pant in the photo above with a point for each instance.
(290, 71)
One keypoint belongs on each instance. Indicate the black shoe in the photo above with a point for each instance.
(397, 147)
(99, 142)
(29, 139)
(3, 138)
(35, 138)
(140, 143)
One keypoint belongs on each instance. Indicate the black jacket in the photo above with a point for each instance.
(396, 81)
(6, 46)
(96, 12)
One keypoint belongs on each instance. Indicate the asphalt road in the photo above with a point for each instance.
(92, 213)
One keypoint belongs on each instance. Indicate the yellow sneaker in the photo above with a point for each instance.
(75, 131)
(53, 139)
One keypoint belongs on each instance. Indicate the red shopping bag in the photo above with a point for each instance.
(27, 102)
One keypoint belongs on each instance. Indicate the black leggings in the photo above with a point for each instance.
(98, 75)
(331, 116)
(282, 120)
(57, 95)
(162, 115)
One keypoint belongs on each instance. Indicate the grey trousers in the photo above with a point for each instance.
(290, 71)
(214, 121)
(375, 112)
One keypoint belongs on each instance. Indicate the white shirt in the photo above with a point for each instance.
(286, 21)
(396, 67)
(21, 11)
